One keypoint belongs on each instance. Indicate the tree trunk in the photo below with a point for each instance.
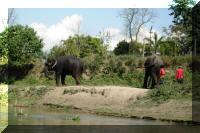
(131, 46)
(143, 49)
(195, 47)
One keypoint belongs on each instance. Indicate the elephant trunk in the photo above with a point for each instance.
(46, 73)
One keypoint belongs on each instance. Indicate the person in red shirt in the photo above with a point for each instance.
(179, 75)
(162, 75)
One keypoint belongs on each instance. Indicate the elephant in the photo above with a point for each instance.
(152, 65)
(64, 65)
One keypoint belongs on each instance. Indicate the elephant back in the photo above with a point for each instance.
(153, 60)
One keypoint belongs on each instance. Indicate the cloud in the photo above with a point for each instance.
(3, 18)
(145, 33)
(116, 35)
(52, 35)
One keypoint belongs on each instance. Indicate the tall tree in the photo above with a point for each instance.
(11, 17)
(182, 13)
(129, 15)
(134, 19)
(145, 16)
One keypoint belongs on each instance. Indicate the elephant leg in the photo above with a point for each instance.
(154, 80)
(78, 82)
(147, 74)
(63, 79)
(57, 78)
(149, 81)
(77, 78)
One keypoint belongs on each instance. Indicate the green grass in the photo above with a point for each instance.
(58, 108)
(107, 112)
(3, 98)
(3, 119)
(26, 97)
(172, 90)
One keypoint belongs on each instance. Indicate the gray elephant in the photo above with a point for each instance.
(152, 70)
(65, 65)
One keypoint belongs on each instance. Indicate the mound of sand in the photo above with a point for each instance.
(88, 97)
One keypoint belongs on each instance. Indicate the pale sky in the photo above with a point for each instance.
(55, 24)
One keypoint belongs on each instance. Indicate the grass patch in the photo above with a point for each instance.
(27, 96)
(51, 107)
(107, 112)
(3, 98)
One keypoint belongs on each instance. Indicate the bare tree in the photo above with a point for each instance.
(105, 37)
(134, 19)
(145, 16)
(11, 16)
(129, 15)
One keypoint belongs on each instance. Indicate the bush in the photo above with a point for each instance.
(24, 46)
(171, 89)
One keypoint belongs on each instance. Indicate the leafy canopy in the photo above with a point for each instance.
(24, 45)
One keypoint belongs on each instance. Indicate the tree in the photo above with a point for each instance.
(122, 48)
(24, 45)
(145, 16)
(78, 46)
(129, 15)
(105, 40)
(178, 36)
(134, 19)
(182, 13)
(196, 28)
(4, 45)
(156, 42)
(11, 17)
(169, 47)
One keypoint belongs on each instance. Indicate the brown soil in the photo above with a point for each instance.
(125, 100)
(106, 97)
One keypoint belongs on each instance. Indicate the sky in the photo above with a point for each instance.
(55, 24)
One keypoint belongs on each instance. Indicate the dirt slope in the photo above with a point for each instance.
(107, 97)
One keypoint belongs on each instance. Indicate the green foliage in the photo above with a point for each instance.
(156, 42)
(3, 98)
(185, 61)
(24, 45)
(107, 69)
(182, 11)
(79, 46)
(93, 63)
(171, 89)
(4, 45)
(71, 92)
(122, 48)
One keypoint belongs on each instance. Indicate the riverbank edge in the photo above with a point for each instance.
(111, 113)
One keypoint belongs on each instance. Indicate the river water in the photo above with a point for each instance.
(38, 120)
(39, 116)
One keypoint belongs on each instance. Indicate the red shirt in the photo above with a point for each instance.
(162, 72)
(179, 73)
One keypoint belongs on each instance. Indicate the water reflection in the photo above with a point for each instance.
(38, 116)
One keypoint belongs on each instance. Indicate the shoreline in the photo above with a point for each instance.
(124, 102)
